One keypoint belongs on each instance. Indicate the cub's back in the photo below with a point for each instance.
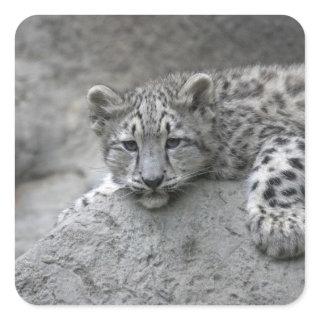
(274, 92)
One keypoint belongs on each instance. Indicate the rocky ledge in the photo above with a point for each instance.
(195, 251)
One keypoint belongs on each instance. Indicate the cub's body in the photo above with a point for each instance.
(230, 124)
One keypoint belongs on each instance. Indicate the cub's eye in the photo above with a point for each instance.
(172, 143)
(130, 145)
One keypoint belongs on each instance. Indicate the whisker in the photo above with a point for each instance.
(96, 168)
(203, 169)
(195, 174)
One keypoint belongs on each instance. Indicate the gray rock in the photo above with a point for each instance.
(39, 201)
(195, 251)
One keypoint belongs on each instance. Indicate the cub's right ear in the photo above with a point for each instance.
(104, 104)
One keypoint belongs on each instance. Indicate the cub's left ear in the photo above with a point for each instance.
(197, 91)
(104, 105)
(103, 96)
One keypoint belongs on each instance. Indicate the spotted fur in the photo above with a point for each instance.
(232, 124)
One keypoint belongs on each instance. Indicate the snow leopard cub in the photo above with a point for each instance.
(233, 123)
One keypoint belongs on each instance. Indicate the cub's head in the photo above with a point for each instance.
(157, 137)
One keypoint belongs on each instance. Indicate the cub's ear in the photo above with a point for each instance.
(104, 104)
(197, 91)
(103, 96)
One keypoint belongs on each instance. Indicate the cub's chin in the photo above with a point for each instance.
(154, 200)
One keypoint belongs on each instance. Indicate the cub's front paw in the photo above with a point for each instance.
(278, 232)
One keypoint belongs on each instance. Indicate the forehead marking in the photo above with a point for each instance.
(163, 114)
(137, 102)
(151, 113)
(168, 127)
(133, 129)
(137, 118)
(178, 125)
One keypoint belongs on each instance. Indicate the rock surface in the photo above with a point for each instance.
(195, 251)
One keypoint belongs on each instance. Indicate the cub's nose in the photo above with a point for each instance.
(154, 182)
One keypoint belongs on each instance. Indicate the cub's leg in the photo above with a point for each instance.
(104, 189)
(276, 197)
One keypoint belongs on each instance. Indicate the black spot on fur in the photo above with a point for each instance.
(281, 141)
(284, 205)
(244, 147)
(223, 163)
(289, 175)
(267, 75)
(241, 166)
(163, 114)
(300, 105)
(226, 85)
(236, 75)
(258, 90)
(248, 132)
(139, 115)
(278, 98)
(296, 163)
(269, 193)
(229, 112)
(178, 125)
(101, 194)
(294, 86)
(168, 127)
(272, 203)
(259, 223)
(289, 192)
(254, 186)
(302, 189)
(262, 210)
(285, 114)
(266, 160)
(301, 145)
(270, 130)
(274, 181)
(269, 151)
(84, 202)
(133, 129)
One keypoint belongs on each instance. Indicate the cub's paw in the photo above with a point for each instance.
(86, 199)
(278, 232)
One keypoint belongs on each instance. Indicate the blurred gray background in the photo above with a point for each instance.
(58, 58)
